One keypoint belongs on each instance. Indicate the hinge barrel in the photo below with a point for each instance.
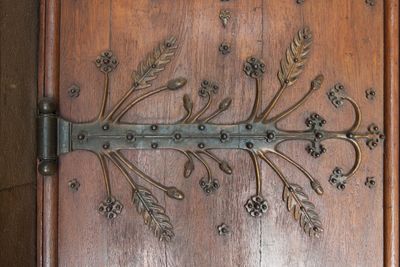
(47, 137)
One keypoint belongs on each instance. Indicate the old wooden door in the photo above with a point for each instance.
(244, 63)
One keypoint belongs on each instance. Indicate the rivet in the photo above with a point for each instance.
(81, 136)
(154, 145)
(74, 185)
(201, 145)
(74, 91)
(178, 136)
(249, 126)
(153, 127)
(249, 145)
(202, 127)
(105, 127)
(129, 136)
(106, 145)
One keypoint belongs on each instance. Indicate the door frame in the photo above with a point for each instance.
(48, 85)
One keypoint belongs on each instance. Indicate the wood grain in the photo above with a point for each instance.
(348, 48)
(391, 189)
(48, 86)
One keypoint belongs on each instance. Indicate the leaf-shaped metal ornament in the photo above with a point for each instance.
(188, 168)
(153, 64)
(153, 214)
(196, 136)
(225, 104)
(296, 56)
(303, 210)
(224, 166)
(187, 103)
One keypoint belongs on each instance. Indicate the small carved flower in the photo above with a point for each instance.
(338, 179)
(74, 91)
(376, 136)
(254, 67)
(336, 95)
(74, 185)
(209, 187)
(106, 62)
(110, 208)
(315, 121)
(370, 182)
(256, 206)
(208, 88)
(370, 94)
(225, 48)
(223, 229)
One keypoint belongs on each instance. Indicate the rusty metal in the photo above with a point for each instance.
(196, 136)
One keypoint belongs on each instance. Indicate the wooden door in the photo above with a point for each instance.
(92, 47)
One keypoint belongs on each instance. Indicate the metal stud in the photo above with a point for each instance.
(74, 91)
(224, 48)
(223, 229)
(74, 185)
(370, 93)
(225, 15)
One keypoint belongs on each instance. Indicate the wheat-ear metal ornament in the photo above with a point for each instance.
(196, 136)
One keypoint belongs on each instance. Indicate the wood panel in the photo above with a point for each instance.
(18, 69)
(348, 48)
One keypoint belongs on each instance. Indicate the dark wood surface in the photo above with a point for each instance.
(348, 48)
(18, 65)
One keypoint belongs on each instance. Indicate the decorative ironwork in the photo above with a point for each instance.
(370, 182)
(370, 2)
(370, 93)
(74, 91)
(225, 16)
(196, 136)
(223, 229)
(74, 185)
(256, 206)
(110, 207)
(224, 48)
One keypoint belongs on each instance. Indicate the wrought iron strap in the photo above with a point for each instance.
(196, 136)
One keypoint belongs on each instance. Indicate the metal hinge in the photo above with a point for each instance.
(53, 136)
(195, 136)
